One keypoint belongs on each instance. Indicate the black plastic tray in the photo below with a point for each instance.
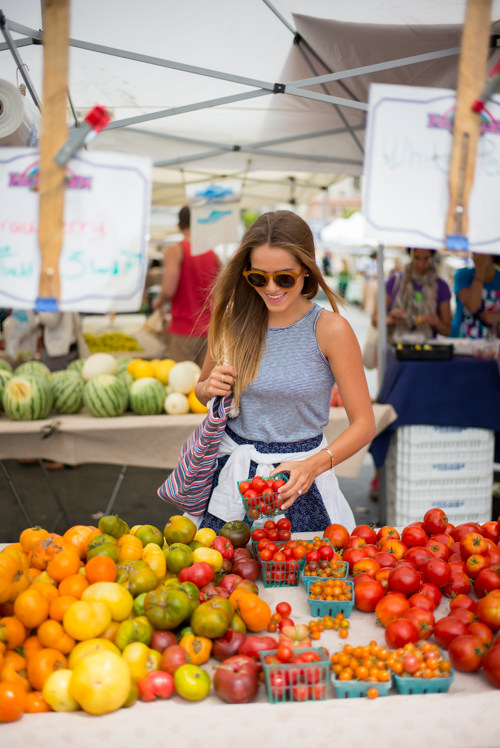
(413, 352)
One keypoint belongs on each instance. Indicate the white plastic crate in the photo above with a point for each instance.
(449, 468)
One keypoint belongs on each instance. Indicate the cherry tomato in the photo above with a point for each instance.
(284, 609)
(244, 486)
(284, 653)
(284, 535)
(270, 525)
(273, 534)
(251, 494)
(278, 483)
(298, 552)
(258, 484)
(259, 534)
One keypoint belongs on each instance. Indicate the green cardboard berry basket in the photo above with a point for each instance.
(349, 689)
(332, 607)
(281, 573)
(408, 685)
(253, 508)
(289, 682)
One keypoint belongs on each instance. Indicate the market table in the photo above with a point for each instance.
(466, 717)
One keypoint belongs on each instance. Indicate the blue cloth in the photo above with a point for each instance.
(462, 392)
(468, 325)
(307, 514)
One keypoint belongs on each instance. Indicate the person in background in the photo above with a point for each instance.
(59, 342)
(417, 298)
(478, 299)
(327, 264)
(187, 282)
(343, 279)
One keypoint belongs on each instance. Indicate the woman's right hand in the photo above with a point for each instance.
(214, 384)
(396, 315)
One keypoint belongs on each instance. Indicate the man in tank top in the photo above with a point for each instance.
(187, 281)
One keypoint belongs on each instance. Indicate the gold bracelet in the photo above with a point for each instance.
(325, 449)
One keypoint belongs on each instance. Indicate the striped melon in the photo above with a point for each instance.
(5, 365)
(33, 369)
(105, 396)
(76, 365)
(123, 362)
(147, 396)
(27, 398)
(67, 389)
(5, 375)
(127, 378)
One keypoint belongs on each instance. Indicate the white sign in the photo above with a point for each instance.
(214, 214)
(103, 260)
(408, 150)
(228, 191)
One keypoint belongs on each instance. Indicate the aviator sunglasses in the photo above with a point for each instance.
(283, 278)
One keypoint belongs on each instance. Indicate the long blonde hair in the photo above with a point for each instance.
(238, 324)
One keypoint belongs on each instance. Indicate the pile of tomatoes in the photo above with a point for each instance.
(425, 661)
(260, 496)
(369, 663)
(272, 530)
(330, 590)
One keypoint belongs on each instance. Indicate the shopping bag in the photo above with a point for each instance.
(189, 486)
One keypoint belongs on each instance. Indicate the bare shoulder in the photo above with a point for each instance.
(173, 253)
(333, 324)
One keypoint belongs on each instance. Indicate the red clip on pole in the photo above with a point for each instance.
(95, 121)
(491, 86)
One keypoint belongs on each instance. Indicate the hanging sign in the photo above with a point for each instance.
(408, 149)
(103, 261)
(215, 214)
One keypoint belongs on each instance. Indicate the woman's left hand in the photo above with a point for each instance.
(302, 475)
(432, 319)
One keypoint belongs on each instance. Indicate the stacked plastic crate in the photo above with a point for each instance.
(434, 466)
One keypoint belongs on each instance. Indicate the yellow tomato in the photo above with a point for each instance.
(100, 683)
(130, 548)
(210, 555)
(194, 404)
(56, 692)
(163, 370)
(206, 536)
(134, 529)
(91, 646)
(155, 558)
(141, 660)
(86, 620)
(117, 598)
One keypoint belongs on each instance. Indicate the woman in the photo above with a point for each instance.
(478, 299)
(417, 299)
(279, 354)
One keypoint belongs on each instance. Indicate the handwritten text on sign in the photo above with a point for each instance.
(408, 150)
(104, 255)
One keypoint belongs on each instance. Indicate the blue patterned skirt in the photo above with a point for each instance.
(307, 514)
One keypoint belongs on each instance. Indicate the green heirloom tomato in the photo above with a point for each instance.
(179, 529)
(136, 576)
(212, 618)
(130, 632)
(238, 624)
(167, 608)
(103, 545)
(139, 604)
(149, 534)
(179, 557)
(194, 544)
(184, 632)
(191, 682)
(238, 532)
(191, 591)
(113, 525)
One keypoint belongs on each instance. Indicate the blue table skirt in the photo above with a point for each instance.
(461, 392)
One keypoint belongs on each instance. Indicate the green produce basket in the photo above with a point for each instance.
(281, 573)
(288, 682)
(332, 607)
(308, 581)
(409, 685)
(349, 689)
(256, 508)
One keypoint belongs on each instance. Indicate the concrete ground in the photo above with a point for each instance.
(85, 490)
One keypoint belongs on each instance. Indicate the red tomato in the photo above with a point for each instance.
(244, 486)
(259, 534)
(284, 609)
(431, 591)
(397, 547)
(266, 554)
(417, 524)
(391, 608)
(455, 558)
(438, 550)
(258, 484)
(299, 552)
(406, 562)
(491, 531)
(462, 530)
(457, 566)
(382, 576)
(482, 631)
(284, 524)
(386, 560)
(352, 555)
(354, 542)
(367, 595)
(455, 548)
(493, 555)
(464, 615)
(414, 536)
(400, 632)
(270, 525)
(267, 495)
(488, 611)
(487, 580)
(472, 544)
(251, 494)
(418, 555)
(361, 578)
(313, 556)
(446, 629)
(367, 533)
(287, 552)
(272, 547)
(326, 552)
(435, 520)
(459, 584)
(285, 622)
(491, 666)
(475, 564)
(337, 535)
(466, 653)
(422, 601)
(436, 571)
(463, 601)
(273, 534)
(279, 557)
(423, 620)
(284, 653)
(371, 550)
(278, 483)
(441, 537)
(449, 529)
(404, 579)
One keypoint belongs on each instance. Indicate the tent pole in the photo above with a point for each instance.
(381, 315)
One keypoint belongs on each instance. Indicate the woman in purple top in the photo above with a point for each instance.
(417, 299)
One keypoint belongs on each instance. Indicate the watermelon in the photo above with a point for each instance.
(123, 362)
(5, 375)
(127, 378)
(27, 398)
(5, 365)
(67, 389)
(147, 396)
(33, 369)
(105, 396)
(76, 365)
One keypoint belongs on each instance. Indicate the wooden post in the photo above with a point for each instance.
(471, 80)
(53, 136)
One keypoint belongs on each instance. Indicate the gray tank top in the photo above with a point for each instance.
(290, 398)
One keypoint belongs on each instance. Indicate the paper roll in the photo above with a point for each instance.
(19, 118)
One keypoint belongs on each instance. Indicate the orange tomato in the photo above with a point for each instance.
(15, 547)
(12, 632)
(62, 565)
(31, 537)
(53, 636)
(396, 547)
(100, 569)
(35, 703)
(15, 672)
(74, 585)
(92, 535)
(31, 608)
(49, 591)
(33, 573)
(12, 701)
(366, 566)
(59, 607)
(382, 575)
(255, 612)
(235, 595)
(31, 646)
(387, 531)
(43, 664)
(110, 632)
(130, 548)
(78, 537)
(46, 549)
(15, 659)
